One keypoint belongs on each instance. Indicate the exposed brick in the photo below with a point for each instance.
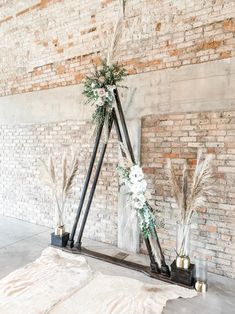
(229, 25)
(27, 198)
(216, 221)
(225, 54)
(79, 39)
(59, 49)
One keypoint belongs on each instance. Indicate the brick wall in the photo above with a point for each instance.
(178, 136)
(51, 43)
(175, 136)
(180, 43)
(23, 194)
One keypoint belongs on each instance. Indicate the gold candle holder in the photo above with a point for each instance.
(201, 286)
(201, 275)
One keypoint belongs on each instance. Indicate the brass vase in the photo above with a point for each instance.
(183, 262)
(59, 230)
(183, 246)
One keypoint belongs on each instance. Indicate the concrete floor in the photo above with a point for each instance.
(22, 242)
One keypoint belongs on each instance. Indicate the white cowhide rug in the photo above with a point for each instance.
(63, 283)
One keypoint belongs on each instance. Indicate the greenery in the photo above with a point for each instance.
(147, 221)
(133, 178)
(98, 88)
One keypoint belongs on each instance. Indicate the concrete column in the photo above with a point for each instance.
(128, 229)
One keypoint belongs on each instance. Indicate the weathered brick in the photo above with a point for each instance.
(65, 53)
(27, 198)
(213, 238)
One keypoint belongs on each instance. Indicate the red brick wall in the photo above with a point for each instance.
(178, 136)
(51, 43)
(22, 192)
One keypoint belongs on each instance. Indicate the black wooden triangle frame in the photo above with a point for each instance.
(155, 270)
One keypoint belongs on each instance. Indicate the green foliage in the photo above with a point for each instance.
(103, 80)
(123, 173)
(98, 115)
(146, 218)
(147, 221)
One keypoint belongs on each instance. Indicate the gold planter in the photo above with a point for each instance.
(183, 262)
(59, 231)
(183, 246)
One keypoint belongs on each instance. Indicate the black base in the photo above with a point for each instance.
(183, 276)
(70, 243)
(149, 271)
(165, 270)
(59, 241)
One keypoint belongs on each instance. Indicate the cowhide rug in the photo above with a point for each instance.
(63, 283)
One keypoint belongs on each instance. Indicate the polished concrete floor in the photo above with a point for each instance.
(22, 242)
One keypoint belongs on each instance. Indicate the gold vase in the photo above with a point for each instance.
(183, 262)
(183, 245)
(59, 230)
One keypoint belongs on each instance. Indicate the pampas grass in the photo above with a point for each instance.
(126, 160)
(117, 33)
(189, 200)
(61, 187)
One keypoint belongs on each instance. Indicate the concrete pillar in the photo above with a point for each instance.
(128, 229)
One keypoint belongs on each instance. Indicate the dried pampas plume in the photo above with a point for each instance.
(115, 39)
(189, 200)
(61, 189)
(126, 160)
(117, 33)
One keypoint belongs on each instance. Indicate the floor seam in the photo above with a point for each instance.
(23, 239)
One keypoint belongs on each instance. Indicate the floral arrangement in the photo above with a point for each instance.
(61, 187)
(132, 176)
(98, 88)
(189, 200)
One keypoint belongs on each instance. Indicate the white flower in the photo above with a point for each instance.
(92, 85)
(99, 102)
(138, 204)
(138, 200)
(138, 187)
(136, 174)
(124, 181)
(100, 92)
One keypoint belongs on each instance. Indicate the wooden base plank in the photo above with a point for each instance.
(123, 263)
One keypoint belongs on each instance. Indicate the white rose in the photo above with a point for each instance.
(138, 204)
(138, 187)
(136, 174)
